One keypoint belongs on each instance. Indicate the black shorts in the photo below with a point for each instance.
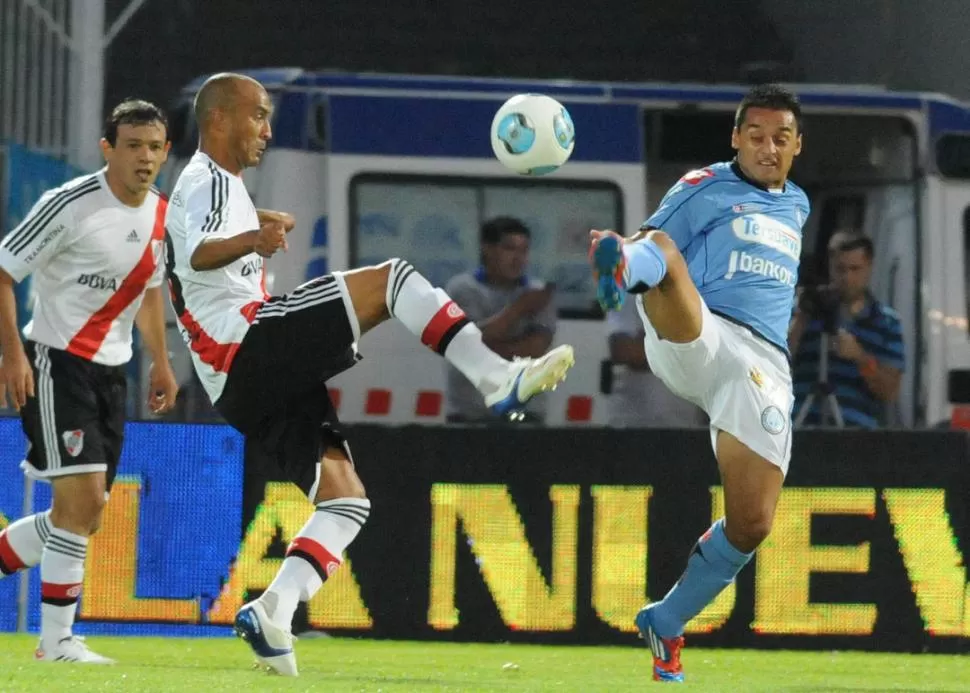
(276, 393)
(75, 423)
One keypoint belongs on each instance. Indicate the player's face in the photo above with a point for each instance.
(506, 260)
(767, 143)
(251, 130)
(850, 271)
(137, 156)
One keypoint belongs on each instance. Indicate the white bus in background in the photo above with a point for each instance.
(375, 166)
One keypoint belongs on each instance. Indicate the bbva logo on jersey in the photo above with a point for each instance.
(759, 228)
(96, 281)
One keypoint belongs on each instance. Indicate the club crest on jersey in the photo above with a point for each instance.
(73, 442)
(696, 176)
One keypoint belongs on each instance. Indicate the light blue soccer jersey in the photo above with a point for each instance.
(742, 244)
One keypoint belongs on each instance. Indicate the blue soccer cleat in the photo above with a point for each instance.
(528, 378)
(272, 645)
(609, 264)
(666, 651)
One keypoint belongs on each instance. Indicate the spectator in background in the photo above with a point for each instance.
(516, 315)
(866, 359)
(636, 397)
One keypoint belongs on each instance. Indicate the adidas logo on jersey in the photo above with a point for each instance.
(133, 237)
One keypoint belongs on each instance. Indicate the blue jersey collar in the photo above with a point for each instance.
(736, 168)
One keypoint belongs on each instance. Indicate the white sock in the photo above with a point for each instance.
(61, 576)
(442, 326)
(313, 555)
(22, 543)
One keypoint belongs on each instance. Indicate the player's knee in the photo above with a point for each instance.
(369, 288)
(748, 531)
(80, 513)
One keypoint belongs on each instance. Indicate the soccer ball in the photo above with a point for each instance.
(532, 134)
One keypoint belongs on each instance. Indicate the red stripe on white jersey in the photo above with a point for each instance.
(89, 338)
(218, 356)
(262, 283)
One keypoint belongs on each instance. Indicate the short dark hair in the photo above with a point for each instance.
(857, 241)
(132, 112)
(494, 229)
(774, 97)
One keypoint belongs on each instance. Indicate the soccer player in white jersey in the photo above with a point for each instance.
(713, 272)
(264, 360)
(94, 247)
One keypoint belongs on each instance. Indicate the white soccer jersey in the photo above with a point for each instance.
(214, 307)
(91, 257)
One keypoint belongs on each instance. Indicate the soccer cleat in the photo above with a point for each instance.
(528, 378)
(69, 649)
(606, 256)
(666, 651)
(272, 645)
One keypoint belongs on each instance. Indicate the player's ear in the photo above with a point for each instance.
(735, 139)
(106, 148)
(798, 145)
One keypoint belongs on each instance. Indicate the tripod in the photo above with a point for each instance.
(822, 390)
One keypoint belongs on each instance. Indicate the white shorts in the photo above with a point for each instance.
(740, 380)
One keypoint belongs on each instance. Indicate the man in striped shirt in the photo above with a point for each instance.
(867, 359)
(94, 247)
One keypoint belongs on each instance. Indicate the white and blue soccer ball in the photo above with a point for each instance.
(532, 134)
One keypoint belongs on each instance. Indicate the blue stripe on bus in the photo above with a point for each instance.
(432, 127)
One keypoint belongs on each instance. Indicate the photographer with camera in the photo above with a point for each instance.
(847, 347)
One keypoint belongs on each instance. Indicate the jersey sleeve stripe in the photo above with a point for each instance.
(38, 222)
(220, 197)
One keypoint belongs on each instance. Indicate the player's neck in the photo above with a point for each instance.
(220, 154)
(123, 194)
(747, 177)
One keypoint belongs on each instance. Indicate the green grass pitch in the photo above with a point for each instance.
(330, 664)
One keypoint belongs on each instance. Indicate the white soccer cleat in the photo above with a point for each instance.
(70, 649)
(272, 645)
(528, 378)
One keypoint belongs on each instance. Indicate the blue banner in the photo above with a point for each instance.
(169, 536)
(29, 175)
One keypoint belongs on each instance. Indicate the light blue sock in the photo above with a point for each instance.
(712, 566)
(645, 266)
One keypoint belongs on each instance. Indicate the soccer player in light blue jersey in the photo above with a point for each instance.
(713, 272)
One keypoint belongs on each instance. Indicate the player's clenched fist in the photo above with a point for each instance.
(271, 237)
